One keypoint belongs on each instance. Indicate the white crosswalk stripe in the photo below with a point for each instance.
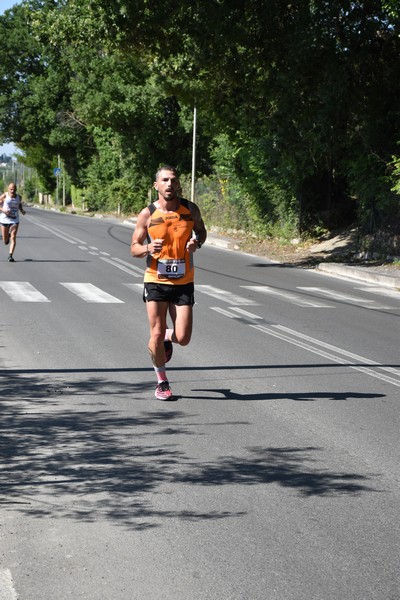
(358, 300)
(90, 293)
(296, 299)
(336, 295)
(7, 590)
(381, 291)
(22, 291)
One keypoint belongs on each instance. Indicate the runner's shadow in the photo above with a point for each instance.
(296, 396)
(35, 260)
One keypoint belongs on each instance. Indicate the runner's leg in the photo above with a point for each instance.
(183, 325)
(5, 232)
(168, 346)
(157, 316)
(172, 314)
(13, 237)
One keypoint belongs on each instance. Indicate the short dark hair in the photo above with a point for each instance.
(166, 168)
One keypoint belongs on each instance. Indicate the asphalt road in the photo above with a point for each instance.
(275, 476)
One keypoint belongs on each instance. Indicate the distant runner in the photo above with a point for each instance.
(10, 206)
(167, 234)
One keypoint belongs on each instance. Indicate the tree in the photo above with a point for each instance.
(35, 99)
(305, 96)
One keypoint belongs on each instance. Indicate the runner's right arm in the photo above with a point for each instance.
(138, 248)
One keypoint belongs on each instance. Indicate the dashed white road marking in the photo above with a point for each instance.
(239, 313)
(90, 293)
(22, 291)
(124, 266)
(288, 296)
(225, 312)
(129, 265)
(225, 296)
(245, 313)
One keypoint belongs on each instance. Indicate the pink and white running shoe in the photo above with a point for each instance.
(163, 391)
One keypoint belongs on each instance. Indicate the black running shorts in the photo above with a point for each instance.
(180, 295)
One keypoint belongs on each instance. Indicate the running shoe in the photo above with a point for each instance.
(163, 391)
(10, 258)
(168, 350)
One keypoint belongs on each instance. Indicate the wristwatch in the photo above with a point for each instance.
(199, 244)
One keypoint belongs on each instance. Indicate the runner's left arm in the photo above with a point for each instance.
(199, 229)
(21, 208)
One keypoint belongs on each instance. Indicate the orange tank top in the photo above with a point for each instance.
(174, 264)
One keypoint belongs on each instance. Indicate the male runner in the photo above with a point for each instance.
(167, 234)
(10, 205)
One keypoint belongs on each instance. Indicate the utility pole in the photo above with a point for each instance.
(63, 185)
(57, 174)
(194, 153)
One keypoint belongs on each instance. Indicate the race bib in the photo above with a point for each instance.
(171, 268)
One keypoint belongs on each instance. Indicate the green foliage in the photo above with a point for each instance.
(248, 182)
(30, 187)
(39, 158)
(215, 205)
(297, 103)
(395, 175)
(112, 183)
(78, 196)
(376, 202)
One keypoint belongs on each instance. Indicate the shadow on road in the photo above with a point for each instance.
(288, 467)
(227, 394)
(68, 452)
